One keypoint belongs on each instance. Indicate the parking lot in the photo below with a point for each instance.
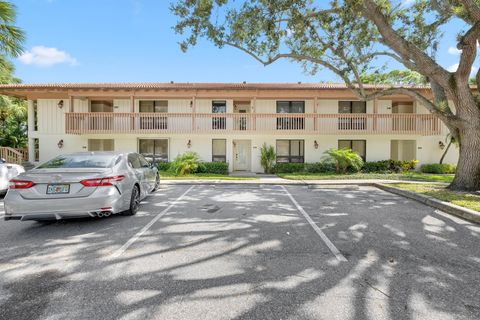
(246, 252)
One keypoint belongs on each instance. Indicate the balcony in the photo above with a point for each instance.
(248, 123)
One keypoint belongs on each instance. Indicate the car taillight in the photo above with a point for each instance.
(20, 184)
(101, 182)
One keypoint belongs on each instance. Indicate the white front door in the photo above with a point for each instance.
(241, 155)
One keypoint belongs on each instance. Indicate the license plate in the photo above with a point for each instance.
(58, 188)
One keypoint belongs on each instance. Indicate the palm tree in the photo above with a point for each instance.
(11, 37)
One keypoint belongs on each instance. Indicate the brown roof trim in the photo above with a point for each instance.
(194, 86)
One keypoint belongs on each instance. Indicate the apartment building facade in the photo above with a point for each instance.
(227, 122)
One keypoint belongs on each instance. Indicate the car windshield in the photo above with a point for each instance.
(80, 161)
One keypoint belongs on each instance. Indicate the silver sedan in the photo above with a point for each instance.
(87, 184)
(7, 172)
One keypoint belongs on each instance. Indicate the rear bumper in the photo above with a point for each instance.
(102, 200)
(49, 216)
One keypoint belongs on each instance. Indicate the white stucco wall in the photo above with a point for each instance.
(51, 129)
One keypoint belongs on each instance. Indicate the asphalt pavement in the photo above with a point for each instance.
(246, 252)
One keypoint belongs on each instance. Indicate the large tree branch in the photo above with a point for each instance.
(472, 9)
(468, 45)
(299, 57)
(440, 110)
(405, 49)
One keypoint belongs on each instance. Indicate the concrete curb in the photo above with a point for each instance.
(259, 182)
(286, 182)
(467, 214)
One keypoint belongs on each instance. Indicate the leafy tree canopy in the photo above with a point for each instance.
(394, 77)
(354, 38)
(13, 112)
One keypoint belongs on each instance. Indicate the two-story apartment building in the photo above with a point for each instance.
(227, 122)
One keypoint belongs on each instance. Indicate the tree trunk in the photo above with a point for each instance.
(467, 177)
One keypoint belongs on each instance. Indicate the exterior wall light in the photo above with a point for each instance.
(60, 104)
(189, 144)
(315, 144)
(441, 145)
(60, 144)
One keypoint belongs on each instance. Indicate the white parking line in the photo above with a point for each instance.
(121, 250)
(319, 231)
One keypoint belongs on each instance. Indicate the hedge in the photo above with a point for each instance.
(438, 168)
(163, 166)
(203, 167)
(213, 167)
(317, 167)
(388, 166)
(383, 166)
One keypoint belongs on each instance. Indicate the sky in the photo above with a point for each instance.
(133, 41)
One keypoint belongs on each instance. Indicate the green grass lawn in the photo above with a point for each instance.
(201, 176)
(410, 176)
(463, 199)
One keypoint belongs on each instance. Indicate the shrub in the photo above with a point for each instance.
(317, 167)
(267, 157)
(438, 168)
(408, 165)
(213, 167)
(163, 166)
(185, 163)
(376, 166)
(288, 168)
(344, 159)
(385, 166)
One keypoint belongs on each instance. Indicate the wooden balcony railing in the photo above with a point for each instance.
(276, 123)
(11, 155)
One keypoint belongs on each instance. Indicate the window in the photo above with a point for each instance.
(290, 151)
(358, 146)
(36, 149)
(153, 122)
(134, 161)
(289, 122)
(352, 122)
(101, 106)
(155, 150)
(81, 161)
(35, 115)
(143, 162)
(102, 122)
(101, 145)
(157, 106)
(219, 150)
(219, 122)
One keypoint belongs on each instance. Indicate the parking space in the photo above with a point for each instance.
(246, 252)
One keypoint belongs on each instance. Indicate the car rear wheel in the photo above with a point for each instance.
(157, 183)
(134, 202)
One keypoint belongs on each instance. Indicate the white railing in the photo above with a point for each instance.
(278, 123)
